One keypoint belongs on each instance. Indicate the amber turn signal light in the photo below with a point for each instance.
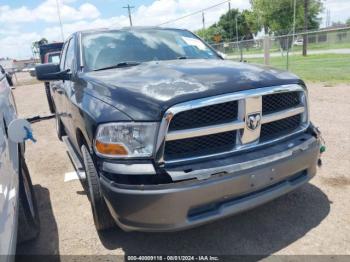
(111, 149)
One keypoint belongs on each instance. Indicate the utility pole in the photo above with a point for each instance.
(328, 19)
(305, 36)
(59, 19)
(230, 19)
(203, 20)
(236, 17)
(129, 12)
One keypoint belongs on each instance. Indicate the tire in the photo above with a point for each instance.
(59, 127)
(102, 217)
(49, 97)
(28, 215)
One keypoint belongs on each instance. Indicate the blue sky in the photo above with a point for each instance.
(25, 21)
(107, 8)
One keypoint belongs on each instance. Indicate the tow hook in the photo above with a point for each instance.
(322, 146)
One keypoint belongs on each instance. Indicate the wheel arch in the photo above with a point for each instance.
(82, 139)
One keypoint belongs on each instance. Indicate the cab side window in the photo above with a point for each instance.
(68, 64)
(63, 56)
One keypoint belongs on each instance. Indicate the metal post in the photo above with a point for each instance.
(305, 36)
(294, 14)
(266, 50)
(236, 28)
(238, 47)
(287, 40)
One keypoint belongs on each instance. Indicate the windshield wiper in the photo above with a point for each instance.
(182, 57)
(119, 65)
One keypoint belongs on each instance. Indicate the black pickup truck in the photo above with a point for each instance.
(170, 134)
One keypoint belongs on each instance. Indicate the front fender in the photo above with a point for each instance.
(88, 113)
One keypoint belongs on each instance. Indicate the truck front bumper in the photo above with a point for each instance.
(185, 204)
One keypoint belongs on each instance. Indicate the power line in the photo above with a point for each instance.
(230, 18)
(129, 12)
(194, 13)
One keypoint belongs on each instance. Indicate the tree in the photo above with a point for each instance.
(228, 23)
(226, 27)
(209, 33)
(348, 22)
(276, 16)
(36, 46)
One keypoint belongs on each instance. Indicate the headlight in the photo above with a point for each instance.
(126, 140)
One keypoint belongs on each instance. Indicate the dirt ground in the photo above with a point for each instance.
(314, 219)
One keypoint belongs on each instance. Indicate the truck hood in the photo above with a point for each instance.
(146, 91)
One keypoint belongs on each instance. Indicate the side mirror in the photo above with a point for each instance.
(19, 130)
(48, 72)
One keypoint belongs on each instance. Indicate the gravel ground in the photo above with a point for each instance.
(314, 219)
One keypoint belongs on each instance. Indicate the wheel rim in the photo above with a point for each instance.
(28, 194)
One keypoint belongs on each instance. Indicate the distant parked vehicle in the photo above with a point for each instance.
(299, 42)
(19, 218)
(50, 53)
(26, 69)
(32, 72)
(52, 57)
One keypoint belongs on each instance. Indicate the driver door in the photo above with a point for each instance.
(58, 87)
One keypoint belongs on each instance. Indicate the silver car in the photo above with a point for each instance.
(19, 219)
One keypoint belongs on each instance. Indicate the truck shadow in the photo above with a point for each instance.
(261, 231)
(47, 243)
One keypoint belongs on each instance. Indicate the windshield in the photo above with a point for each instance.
(106, 49)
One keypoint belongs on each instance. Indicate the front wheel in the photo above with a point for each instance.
(28, 217)
(102, 217)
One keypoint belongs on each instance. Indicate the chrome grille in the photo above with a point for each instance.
(281, 110)
(199, 146)
(277, 102)
(279, 128)
(205, 116)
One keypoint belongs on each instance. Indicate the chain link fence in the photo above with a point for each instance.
(285, 52)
